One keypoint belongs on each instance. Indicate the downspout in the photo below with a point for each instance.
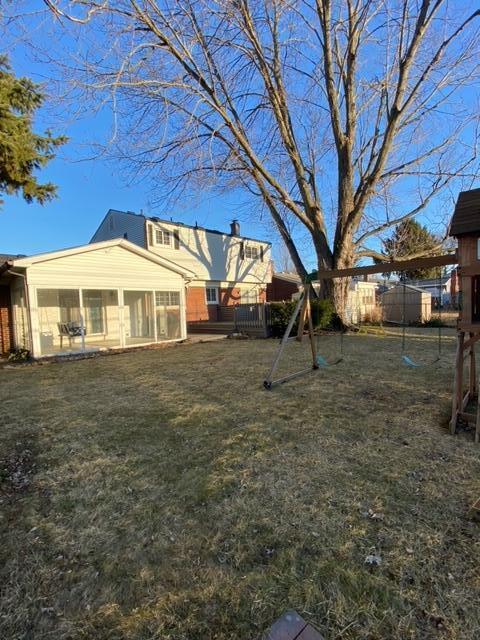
(27, 304)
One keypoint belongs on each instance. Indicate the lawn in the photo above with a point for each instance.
(164, 494)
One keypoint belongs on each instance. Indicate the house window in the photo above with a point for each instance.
(167, 298)
(94, 312)
(211, 295)
(251, 252)
(162, 237)
(249, 297)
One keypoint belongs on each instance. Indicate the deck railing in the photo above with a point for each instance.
(246, 316)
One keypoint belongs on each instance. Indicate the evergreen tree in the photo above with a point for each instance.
(410, 238)
(22, 151)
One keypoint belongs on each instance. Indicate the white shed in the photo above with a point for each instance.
(104, 295)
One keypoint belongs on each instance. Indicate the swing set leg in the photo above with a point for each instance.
(457, 401)
(303, 307)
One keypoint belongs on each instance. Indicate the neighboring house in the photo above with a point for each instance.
(98, 296)
(229, 268)
(361, 301)
(406, 304)
(283, 286)
(6, 337)
(443, 290)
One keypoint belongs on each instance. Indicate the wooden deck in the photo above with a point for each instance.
(291, 626)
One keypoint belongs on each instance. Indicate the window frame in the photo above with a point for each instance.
(87, 316)
(216, 295)
(163, 233)
(172, 295)
(252, 249)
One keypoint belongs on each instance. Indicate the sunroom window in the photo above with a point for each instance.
(167, 313)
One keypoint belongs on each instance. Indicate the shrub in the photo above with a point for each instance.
(323, 315)
(19, 355)
(374, 317)
(280, 314)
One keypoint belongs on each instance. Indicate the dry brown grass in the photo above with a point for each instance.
(165, 494)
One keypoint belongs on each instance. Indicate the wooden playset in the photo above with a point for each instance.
(465, 227)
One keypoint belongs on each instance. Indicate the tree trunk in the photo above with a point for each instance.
(336, 289)
(340, 300)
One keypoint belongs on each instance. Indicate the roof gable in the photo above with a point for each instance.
(288, 276)
(410, 287)
(466, 217)
(95, 246)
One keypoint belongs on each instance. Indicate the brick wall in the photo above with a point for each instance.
(6, 324)
(230, 296)
(280, 289)
(197, 307)
(198, 310)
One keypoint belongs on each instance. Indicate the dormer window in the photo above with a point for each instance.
(163, 237)
(251, 252)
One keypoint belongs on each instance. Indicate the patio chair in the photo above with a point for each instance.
(70, 330)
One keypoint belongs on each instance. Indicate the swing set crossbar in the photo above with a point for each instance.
(390, 267)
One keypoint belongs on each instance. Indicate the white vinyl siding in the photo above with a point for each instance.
(115, 271)
(214, 256)
(101, 268)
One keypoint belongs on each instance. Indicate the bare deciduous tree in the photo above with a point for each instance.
(348, 116)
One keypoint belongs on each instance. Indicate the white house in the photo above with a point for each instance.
(361, 300)
(441, 289)
(229, 268)
(102, 295)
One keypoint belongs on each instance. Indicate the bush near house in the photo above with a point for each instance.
(19, 355)
(323, 315)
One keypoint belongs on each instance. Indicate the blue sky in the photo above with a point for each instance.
(89, 186)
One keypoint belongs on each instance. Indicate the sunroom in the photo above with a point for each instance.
(106, 295)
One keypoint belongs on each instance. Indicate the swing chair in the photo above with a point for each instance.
(406, 359)
(322, 359)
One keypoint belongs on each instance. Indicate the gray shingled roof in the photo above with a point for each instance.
(466, 217)
(288, 276)
(5, 257)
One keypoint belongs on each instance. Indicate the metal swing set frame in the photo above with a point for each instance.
(303, 309)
